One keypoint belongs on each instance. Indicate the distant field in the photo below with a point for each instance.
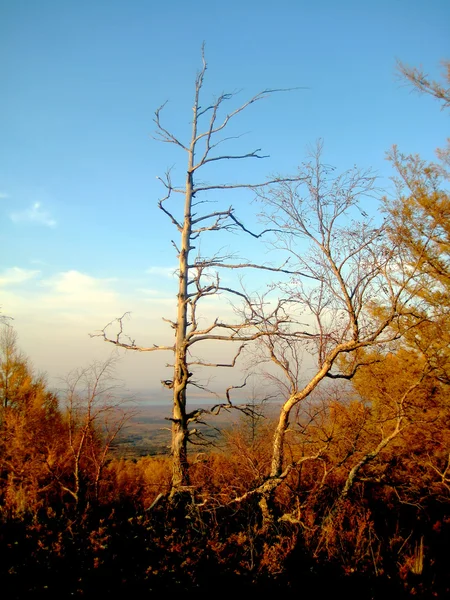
(148, 432)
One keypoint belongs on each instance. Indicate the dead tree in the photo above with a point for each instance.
(198, 276)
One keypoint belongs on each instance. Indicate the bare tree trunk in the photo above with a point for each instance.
(180, 431)
(278, 442)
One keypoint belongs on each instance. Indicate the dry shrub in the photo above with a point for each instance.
(138, 481)
(347, 537)
(276, 553)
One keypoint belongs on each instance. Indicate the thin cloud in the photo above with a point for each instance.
(162, 271)
(72, 288)
(4, 196)
(153, 293)
(157, 297)
(34, 214)
(16, 275)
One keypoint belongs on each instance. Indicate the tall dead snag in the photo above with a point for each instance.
(198, 277)
(352, 292)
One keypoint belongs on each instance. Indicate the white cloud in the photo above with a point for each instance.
(34, 214)
(55, 316)
(16, 275)
(4, 196)
(66, 296)
(71, 289)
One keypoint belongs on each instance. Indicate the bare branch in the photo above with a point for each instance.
(264, 94)
(215, 263)
(235, 186)
(168, 184)
(231, 364)
(128, 345)
(234, 387)
(253, 154)
(162, 134)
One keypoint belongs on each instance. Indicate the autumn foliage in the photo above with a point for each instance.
(354, 518)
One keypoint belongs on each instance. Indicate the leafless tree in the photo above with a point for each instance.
(95, 413)
(198, 276)
(351, 293)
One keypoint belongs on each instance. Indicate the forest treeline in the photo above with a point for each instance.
(346, 490)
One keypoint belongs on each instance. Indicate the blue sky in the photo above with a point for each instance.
(83, 240)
